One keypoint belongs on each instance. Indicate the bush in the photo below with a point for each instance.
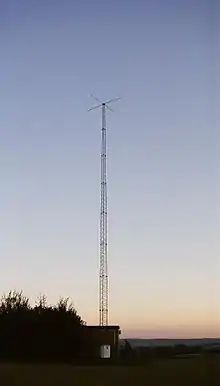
(39, 333)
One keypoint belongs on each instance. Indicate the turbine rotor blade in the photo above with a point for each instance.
(109, 108)
(113, 100)
(97, 99)
(95, 107)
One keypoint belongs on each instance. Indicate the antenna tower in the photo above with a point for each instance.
(103, 251)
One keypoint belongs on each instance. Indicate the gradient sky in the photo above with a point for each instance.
(163, 59)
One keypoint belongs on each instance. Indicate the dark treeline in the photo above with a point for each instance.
(144, 354)
(41, 332)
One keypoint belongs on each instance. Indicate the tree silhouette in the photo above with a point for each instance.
(39, 333)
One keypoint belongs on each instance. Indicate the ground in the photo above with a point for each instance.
(186, 372)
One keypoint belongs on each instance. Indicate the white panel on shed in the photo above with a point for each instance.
(105, 351)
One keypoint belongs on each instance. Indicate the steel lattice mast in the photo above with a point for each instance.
(103, 251)
(103, 268)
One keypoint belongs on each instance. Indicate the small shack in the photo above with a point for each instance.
(104, 340)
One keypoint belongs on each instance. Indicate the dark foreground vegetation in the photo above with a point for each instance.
(198, 372)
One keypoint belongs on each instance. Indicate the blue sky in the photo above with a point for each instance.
(163, 158)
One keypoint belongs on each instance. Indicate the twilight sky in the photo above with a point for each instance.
(163, 59)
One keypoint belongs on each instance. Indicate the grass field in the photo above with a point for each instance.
(193, 372)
